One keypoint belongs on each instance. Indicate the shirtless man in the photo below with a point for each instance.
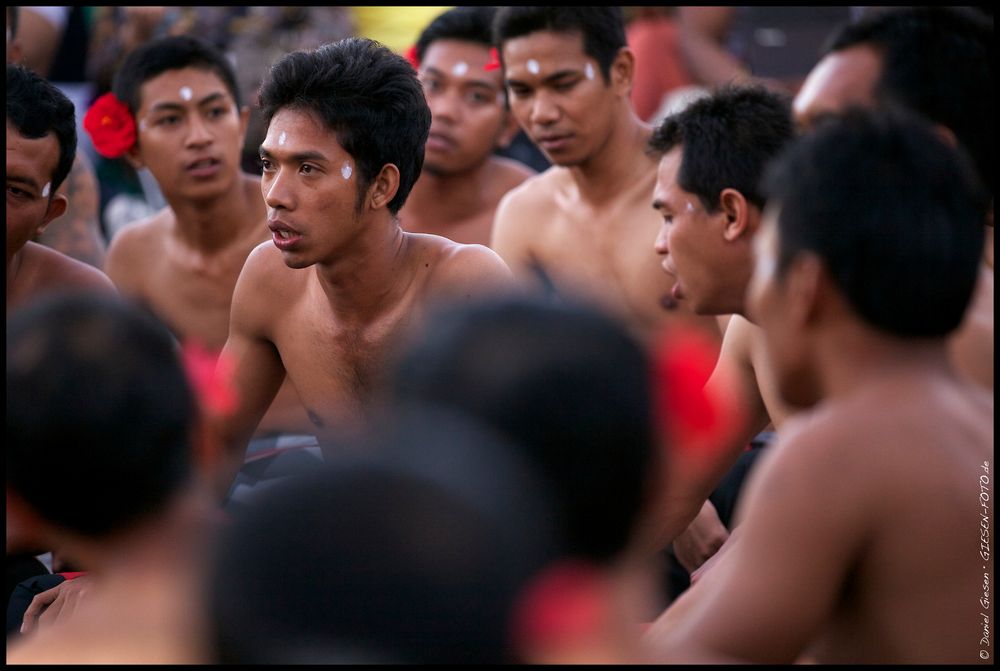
(326, 299)
(78, 232)
(184, 260)
(941, 45)
(584, 225)
(937, 61)
(841, 555)
(707, 192)
(462, 180)
(41, 144)
(100, 451)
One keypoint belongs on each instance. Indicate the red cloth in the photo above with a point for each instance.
(659, 64)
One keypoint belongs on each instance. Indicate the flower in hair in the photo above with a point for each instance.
(110, 125)
(494, 62)
(411, 56)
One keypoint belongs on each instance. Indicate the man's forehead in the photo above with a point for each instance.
(840, 80)
(183, 85)
(544, 46)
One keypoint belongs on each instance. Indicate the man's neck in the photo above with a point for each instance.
(362, 283)
(439, 198)
(213, 224)
(621, 163)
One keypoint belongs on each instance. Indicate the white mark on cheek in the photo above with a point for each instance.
(689, 208)
(282, 138)
(533, 66)
(186, 92)
(589, 71)
(143, 125)
(46, 189)
(347, 171)
(460, 68)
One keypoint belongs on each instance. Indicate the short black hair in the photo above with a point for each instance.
(413, 547)
(568, 386)
(937, 61)
(170, 53)
(727, 139)
(602, 28)
(468, 24)
(895, 214)
(99, 413)
(366, 94)
(36, 108)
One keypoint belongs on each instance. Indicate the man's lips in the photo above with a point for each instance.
(440, 141)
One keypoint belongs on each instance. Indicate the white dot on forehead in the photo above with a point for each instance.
(460, 68)
(282, 138)
(46, 189)
(346, 170)
(186, 92)
(533, 66)
(589, 71)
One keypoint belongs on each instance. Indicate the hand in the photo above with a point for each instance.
(54, 604)
(702, 539)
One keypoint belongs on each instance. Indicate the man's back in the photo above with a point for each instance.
(911, 475)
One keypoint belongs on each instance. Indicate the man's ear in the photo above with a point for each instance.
(134, 156)
(808, 289)
(57, 206)
(742, 219)
(384, 187)
(623, 72)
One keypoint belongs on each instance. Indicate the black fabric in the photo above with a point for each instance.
(22, 594)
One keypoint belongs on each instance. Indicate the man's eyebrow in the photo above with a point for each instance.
(549, 79)
(25, 181)
(169, 105)
(297, 157)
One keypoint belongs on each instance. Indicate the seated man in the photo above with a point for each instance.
(101, 440)
(938, 62)
(866, 263)
(41, 145)
(583, 227)
(180, 95)
(340, 280)
(462, 180)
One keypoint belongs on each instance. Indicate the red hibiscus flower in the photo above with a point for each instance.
(110, 125)
(411, 56)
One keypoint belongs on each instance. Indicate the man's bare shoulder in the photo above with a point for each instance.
(534, 194)
(454, 267)
(510, 173)
(54, 270)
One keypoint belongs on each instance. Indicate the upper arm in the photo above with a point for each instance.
(125, 261)
(792, 551)
(693, 475)
(510, 236)
(257, 368)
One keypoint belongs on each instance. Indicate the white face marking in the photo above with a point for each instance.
(347, 171)
(533, 67)
(46, 189)
(689, 208)
(282, 138)
(460, 68)
(589, 71)
(186, 92)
